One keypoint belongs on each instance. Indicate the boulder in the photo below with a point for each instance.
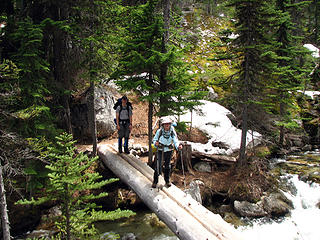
(105, 114)
(247, 209)
(202, 167)
(129, 236)
(277, 204)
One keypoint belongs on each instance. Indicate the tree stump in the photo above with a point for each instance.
(185, 158)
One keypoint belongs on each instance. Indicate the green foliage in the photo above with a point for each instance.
(99, 38)
(182, 127)
(143, 59)
(24, 81)
(72, 182)
(30, 60)
(9, 74)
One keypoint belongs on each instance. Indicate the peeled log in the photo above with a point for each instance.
(188, 219)
(222, 159)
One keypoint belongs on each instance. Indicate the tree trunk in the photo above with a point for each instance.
(67, 212)
(92, 118)
(3, 210)
(164, 65)
(61, 66)
(282, 114)
(244, 125)
(150, 114)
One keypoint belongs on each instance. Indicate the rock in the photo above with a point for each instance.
(318, 205)
(129, 236)
(247, 209)
(50, 217)
(202, 167)
(232, 218)
(109, 235)
(225, 209)
(212, 95)
(105, 114)
(154, 221)
(137, 146)
(277, 204)
(41, 234)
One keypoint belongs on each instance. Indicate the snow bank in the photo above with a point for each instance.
(212, 119)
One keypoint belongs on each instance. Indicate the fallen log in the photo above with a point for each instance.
(188, 219)
(222, 159)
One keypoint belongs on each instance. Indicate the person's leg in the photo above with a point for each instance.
(120, 144)
(167, 166)
(121, 134)
(126, 138)
(157, 169)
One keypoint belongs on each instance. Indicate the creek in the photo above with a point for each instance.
(303, 221)
(301, 224)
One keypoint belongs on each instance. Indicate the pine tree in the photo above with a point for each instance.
(253, 47)
(150, 63)
(289, 74)
(71, 182)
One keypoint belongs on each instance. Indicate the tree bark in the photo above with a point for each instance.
(92, 118)
(3, 210)
(61, 67)
(282, 115)
(186, 155)
(150, 114)
(164, 65)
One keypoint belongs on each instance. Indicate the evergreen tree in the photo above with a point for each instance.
(253, 47)
(71, 182)
(151, 63)
(289, 74)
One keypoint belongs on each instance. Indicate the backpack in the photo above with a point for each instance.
(119, 103)
(172, 134)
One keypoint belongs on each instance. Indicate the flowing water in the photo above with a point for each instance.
(302, 224)
(145, 226)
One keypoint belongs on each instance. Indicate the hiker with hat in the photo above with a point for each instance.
(124, 123)
(165, 141)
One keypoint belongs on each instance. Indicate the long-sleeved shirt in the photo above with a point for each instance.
(166, 138)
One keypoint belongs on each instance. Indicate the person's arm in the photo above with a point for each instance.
(130, 117)
(118, 118)
(156, 138)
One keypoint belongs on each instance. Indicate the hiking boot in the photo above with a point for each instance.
(126, 150)
(154, 185)
(168, 184)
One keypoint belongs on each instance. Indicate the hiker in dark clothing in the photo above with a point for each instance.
(124, 124)
(165, 140)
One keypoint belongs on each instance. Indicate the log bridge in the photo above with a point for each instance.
(186, 217)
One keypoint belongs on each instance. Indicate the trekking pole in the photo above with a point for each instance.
(162, 155)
